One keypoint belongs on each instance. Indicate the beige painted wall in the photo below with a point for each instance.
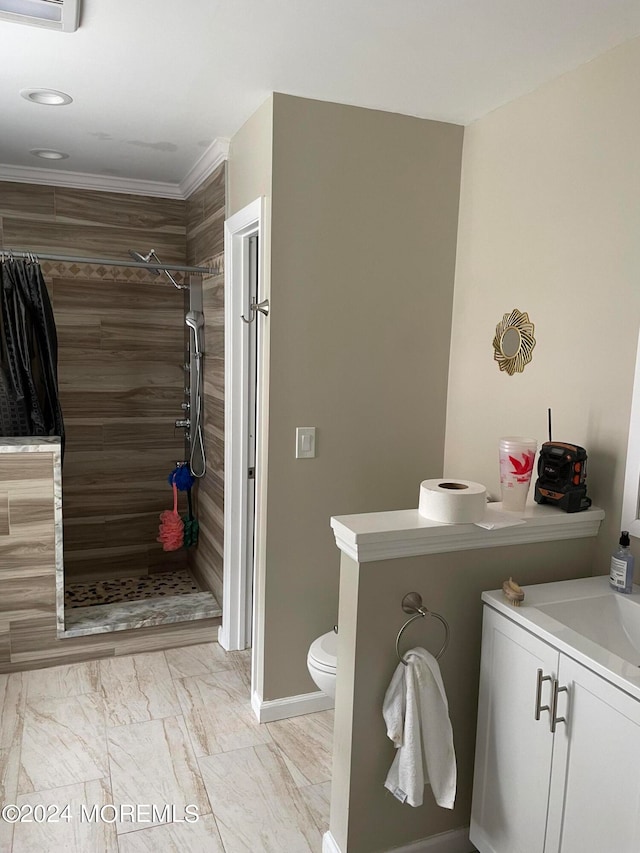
(549, 224)
(365, 817)
(364, 219)
(250, 160)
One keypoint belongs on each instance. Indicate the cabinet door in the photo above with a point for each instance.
(513, 749)
(594, 804)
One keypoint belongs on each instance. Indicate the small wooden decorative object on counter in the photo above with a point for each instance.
(513, 592)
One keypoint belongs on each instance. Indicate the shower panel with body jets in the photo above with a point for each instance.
(197, 458)
(191, 421)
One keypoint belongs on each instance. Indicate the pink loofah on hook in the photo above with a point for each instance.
(171, 533)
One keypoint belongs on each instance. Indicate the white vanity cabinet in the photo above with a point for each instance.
(572, 786)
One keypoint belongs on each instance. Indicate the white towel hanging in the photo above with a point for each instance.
(416, 712)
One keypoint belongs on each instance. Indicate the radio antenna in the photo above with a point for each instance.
(549, 415)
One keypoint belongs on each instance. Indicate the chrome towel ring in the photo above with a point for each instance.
(412, 603)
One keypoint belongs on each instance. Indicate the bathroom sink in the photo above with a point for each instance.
(585, 619)
(611, 620)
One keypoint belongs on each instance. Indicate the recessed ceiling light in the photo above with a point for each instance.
(49, 154)
(50, 97)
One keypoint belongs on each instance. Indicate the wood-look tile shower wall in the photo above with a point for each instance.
(28, 623)
(205, 245)
(121, 343)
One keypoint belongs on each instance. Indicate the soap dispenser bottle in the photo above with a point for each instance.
(621, 572)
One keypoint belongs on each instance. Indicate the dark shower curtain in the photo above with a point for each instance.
(29, 403)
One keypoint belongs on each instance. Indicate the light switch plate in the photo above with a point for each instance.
(305, 442)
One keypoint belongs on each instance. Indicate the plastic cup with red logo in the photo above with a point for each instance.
(517, 455)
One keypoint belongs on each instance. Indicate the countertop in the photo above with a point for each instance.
(624, 674)
(405, 533)
(29, 444)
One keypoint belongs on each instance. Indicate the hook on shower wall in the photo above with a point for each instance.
(262, 307)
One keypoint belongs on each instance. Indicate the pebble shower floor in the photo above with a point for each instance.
(130, 589)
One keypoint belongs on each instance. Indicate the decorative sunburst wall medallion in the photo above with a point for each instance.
(514, 342)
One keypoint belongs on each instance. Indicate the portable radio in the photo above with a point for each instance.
(562, 471)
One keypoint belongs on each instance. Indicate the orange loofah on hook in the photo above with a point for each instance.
(171, 533)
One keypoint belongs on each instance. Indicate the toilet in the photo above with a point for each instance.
(321, 661)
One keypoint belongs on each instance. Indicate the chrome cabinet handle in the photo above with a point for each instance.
(554, 705)
(539, 707)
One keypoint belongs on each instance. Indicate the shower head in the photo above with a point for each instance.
(151, 256)
(195, 321)
(145, 259)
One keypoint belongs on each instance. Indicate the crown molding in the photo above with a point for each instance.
(87, 181)
(216, 154)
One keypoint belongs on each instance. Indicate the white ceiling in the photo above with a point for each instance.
(155, 82)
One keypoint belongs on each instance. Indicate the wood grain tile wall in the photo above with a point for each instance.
(205, 245)
(205, 219)
(28, 586)
(121, 344)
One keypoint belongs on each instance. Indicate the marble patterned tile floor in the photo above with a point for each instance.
(119, 756)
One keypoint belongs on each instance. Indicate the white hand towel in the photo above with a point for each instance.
(416, 712)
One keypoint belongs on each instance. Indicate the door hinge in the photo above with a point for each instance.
(251, 473)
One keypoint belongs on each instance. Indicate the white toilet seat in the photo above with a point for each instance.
(323, 652)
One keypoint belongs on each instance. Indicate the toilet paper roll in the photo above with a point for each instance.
(452, 501)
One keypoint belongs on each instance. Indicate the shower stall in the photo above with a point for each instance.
(129, 368)
(141, 351)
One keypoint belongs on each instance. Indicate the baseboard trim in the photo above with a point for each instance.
(456, 841)
(269, 710)
(329, 844)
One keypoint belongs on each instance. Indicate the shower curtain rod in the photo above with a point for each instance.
(72, 259)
